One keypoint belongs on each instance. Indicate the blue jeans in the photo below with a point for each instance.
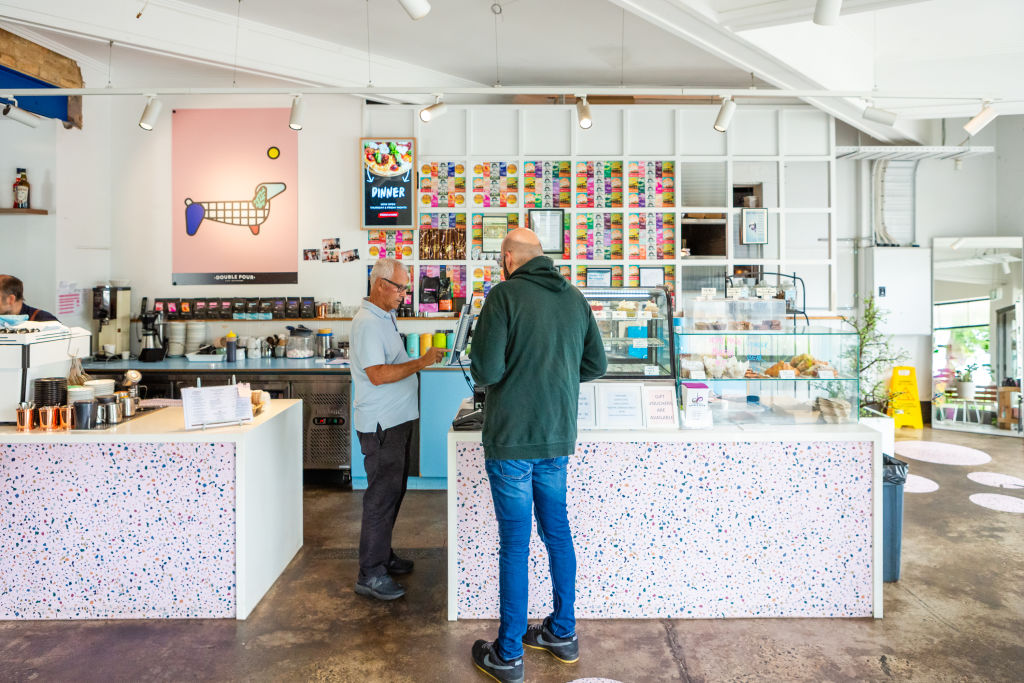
(516, 487)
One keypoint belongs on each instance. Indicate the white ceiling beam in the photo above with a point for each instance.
(694, 26)
(186, 31)
(778, 12)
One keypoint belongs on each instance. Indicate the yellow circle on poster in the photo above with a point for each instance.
(273, 152)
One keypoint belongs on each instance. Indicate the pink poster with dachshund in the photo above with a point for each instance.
(235, 209)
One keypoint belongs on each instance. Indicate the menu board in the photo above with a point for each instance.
(495, 184)
(390, 243)
(477, 237)
(442, 184)
(546, 184)
(652, 236)
(388, 179)
(652, 184)
(599, 184)
(442, 236)
(207, 406)
(599, 236)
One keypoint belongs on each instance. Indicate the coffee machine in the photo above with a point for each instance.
(112, 317)
(151, 343)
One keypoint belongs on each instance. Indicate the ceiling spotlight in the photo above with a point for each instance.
(883, 116)
(826, 12)
(438, 108)
(16, 113)
(1005, 266)
(295, 120)
(416, 9)
(980, 120)
(725, 114)
(150, 113)
(957, 243)
(583, 116)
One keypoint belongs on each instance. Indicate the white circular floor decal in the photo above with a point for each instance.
(916, 484)
(1001, 481)
(941, 453)
(997, 501)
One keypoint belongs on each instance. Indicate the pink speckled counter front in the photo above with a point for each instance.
(691, 530)
(117, 530)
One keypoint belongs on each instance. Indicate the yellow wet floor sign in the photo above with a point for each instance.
(905, 407)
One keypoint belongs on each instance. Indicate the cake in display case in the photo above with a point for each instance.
(805, 376)
(636, 326)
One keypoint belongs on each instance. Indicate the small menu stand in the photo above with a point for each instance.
(220, 406)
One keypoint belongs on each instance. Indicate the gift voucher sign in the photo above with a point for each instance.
(389, 178)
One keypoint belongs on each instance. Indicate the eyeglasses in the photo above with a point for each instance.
(400, 288)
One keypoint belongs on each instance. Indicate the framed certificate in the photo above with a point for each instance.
(549, 224)
(494, 230)
(754, 226)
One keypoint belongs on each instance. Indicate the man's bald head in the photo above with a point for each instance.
(518, 247)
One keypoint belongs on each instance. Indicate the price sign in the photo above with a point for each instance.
(765, 292)
(826, 374)
(619, 315)
(639, 343)
(651, 370)
(698, 374)
(708, 292)
(787, 374)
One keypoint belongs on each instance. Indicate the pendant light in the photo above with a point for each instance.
(826, 12)
(438, 108)
(16, 113)
(883, 116)
(981, 119)
(416, 9)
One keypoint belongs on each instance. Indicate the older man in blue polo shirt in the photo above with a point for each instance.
(386, 410)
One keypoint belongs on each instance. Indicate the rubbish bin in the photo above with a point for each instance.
(893, 477)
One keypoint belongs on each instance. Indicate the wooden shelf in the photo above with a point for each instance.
(34, 212)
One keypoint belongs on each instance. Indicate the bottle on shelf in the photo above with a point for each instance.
(21, 190)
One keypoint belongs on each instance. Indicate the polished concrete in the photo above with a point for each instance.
(957, 613)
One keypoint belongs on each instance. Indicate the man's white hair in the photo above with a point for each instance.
(384, 268)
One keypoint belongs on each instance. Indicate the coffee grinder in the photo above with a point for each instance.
(111, 314)
(152, 345)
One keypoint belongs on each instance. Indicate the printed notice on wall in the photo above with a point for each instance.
(210, 406)
(586, 415)
(620, 406)
(660, 406)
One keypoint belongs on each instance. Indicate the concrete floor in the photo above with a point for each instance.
(956, 614)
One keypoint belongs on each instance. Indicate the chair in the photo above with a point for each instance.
(1007, 399)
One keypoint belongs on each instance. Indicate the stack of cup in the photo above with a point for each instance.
(175, 339)
(195, 335)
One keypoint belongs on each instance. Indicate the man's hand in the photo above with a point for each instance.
(432, 356)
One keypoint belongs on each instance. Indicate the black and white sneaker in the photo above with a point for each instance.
(540, 637)
(494, 666)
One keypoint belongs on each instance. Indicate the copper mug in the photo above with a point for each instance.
(26, 417)
(49, 418)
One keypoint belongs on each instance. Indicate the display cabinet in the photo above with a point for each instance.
(636, 325)
(804, 376)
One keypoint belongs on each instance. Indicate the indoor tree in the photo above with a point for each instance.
(876, 358)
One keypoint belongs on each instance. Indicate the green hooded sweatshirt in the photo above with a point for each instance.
(535, 341)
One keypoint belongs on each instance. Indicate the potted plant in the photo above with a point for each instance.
(965, 382)
(874, 359)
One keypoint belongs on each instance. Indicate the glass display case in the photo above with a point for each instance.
(636, 325)
(805, 376)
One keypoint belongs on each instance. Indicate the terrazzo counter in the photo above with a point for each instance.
(691, 524)
(147, 520)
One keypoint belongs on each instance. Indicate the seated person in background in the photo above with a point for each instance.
(11, 302)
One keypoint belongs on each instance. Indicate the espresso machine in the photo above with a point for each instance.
(151, 343)
(112, 317)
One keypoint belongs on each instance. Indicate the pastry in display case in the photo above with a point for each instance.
(804, 376)
(636, 325)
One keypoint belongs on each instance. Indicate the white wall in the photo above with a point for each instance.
(27, 242)
(1010, 175)
(328, 190)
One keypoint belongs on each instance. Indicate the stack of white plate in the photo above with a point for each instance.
(195, 335)
(100, 387)
(175, 339)
(80, 393)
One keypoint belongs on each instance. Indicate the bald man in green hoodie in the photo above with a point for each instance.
(535, 341)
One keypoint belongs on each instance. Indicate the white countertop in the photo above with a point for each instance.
(164, 425)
